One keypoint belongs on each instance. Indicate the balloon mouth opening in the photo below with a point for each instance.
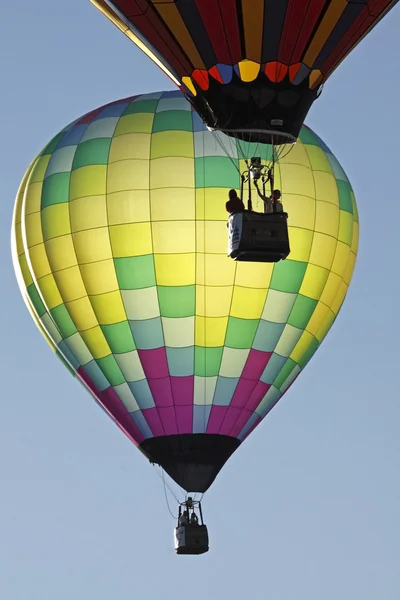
(192, 460)
(273, 137)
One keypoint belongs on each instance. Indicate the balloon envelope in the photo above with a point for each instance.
(119, 246)
(248, 66)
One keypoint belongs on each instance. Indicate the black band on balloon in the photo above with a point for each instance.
(271, 108)
(192, 460)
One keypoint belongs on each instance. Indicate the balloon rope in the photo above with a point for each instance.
(272, 178)
(166, 496)
(222, 145)
(165, 486)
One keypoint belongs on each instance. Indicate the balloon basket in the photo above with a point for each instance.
(191, 535)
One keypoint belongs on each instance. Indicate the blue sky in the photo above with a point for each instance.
(308, 508)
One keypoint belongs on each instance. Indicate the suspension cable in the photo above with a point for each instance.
(165, 486)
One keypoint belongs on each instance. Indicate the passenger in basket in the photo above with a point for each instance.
(234, 204)
(269, 200)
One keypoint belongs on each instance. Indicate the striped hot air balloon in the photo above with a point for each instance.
(251, 68)
(120, 250)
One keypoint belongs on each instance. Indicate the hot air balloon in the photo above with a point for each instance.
(120, 249)
(251, 68)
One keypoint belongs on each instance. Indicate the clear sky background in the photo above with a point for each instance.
(308, 508)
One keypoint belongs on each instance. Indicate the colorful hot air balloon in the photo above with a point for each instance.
(119, 246)
(249, 67)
